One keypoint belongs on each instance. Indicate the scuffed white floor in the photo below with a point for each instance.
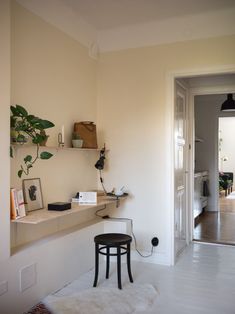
(203, 281)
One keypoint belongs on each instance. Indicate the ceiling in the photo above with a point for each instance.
(121, 24)
(106, 14)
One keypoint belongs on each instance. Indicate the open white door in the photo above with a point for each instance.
(180, 214)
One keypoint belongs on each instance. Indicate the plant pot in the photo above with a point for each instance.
(16, 139)
(77, 143)
(44, 142)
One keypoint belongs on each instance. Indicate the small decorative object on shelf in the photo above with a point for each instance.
(17, 204)
(61, 137)
(59, 206)
(33, 193)
(27, 127)
(77, 142)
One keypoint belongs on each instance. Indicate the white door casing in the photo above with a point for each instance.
(180, 192)
(170, 172)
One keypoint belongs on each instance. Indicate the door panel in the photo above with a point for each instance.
(180, 168)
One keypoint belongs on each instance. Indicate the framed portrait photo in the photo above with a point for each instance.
(33, 194)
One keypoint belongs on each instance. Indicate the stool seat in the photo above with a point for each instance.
(121, 242)
(113, 239)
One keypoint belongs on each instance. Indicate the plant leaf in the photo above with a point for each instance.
(20, 173)
(35, 121)
(45, 155)
(30, 118)
(28, 158)
(46, 124)
(13, 121)
(38, 139)
(14, 111)
(21, 110)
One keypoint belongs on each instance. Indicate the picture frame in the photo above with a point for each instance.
(33, 194)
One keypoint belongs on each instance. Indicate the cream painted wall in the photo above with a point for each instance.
(54, 78)
(4, 128)
(133, 115)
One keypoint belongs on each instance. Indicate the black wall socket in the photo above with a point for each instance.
(155, 241)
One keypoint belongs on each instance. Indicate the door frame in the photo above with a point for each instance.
(184, 87)
(170, 97)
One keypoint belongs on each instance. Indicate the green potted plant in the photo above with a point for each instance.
(43, 133)
(26, 126)
(77, 142)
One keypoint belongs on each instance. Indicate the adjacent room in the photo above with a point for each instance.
(101, 104)
(214, 219)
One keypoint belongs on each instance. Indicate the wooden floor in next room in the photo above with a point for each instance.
(218, 227)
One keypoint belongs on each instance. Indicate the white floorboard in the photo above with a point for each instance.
(202, 281)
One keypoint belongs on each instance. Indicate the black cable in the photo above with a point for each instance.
(102, 182)
(96, 213)
(134, 237)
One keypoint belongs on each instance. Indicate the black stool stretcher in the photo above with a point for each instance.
(120, 241)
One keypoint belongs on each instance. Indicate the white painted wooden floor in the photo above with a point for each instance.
(202, 281)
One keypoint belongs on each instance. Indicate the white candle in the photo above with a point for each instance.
(62, 134)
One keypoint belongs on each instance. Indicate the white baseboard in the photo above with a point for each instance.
(156, 258)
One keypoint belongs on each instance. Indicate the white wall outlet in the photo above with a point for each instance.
(3, 287)
(28, 277)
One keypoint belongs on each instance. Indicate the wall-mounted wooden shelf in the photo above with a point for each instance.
(43, 215)
(27, 146)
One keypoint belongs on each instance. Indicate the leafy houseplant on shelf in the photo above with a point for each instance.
(25, 126)
(77, 142)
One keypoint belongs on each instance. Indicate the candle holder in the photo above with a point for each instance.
(60, 140)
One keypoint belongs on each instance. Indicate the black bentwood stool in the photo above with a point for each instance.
(120, 241)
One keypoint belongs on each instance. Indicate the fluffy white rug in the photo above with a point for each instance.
(133, 298)
(231, 196)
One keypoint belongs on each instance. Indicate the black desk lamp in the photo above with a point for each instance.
(100, 163)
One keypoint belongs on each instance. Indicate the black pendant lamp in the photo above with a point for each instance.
(229, 104)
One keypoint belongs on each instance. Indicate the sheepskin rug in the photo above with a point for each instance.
(133, 298)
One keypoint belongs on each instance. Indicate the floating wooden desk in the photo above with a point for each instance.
(43, 215)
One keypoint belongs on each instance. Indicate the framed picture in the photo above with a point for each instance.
(33, 194)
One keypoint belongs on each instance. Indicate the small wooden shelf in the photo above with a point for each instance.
(26, 146)
(43, 215)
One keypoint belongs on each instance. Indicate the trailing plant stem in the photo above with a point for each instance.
(29, 164)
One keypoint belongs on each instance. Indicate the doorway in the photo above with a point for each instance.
(215, 223)
(217, 82)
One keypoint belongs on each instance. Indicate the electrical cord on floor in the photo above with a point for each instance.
(132, 232)
(125, 219)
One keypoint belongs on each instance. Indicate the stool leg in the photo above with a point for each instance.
(107, 262)
(96, 264)
(129, 262)
(119, 267)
